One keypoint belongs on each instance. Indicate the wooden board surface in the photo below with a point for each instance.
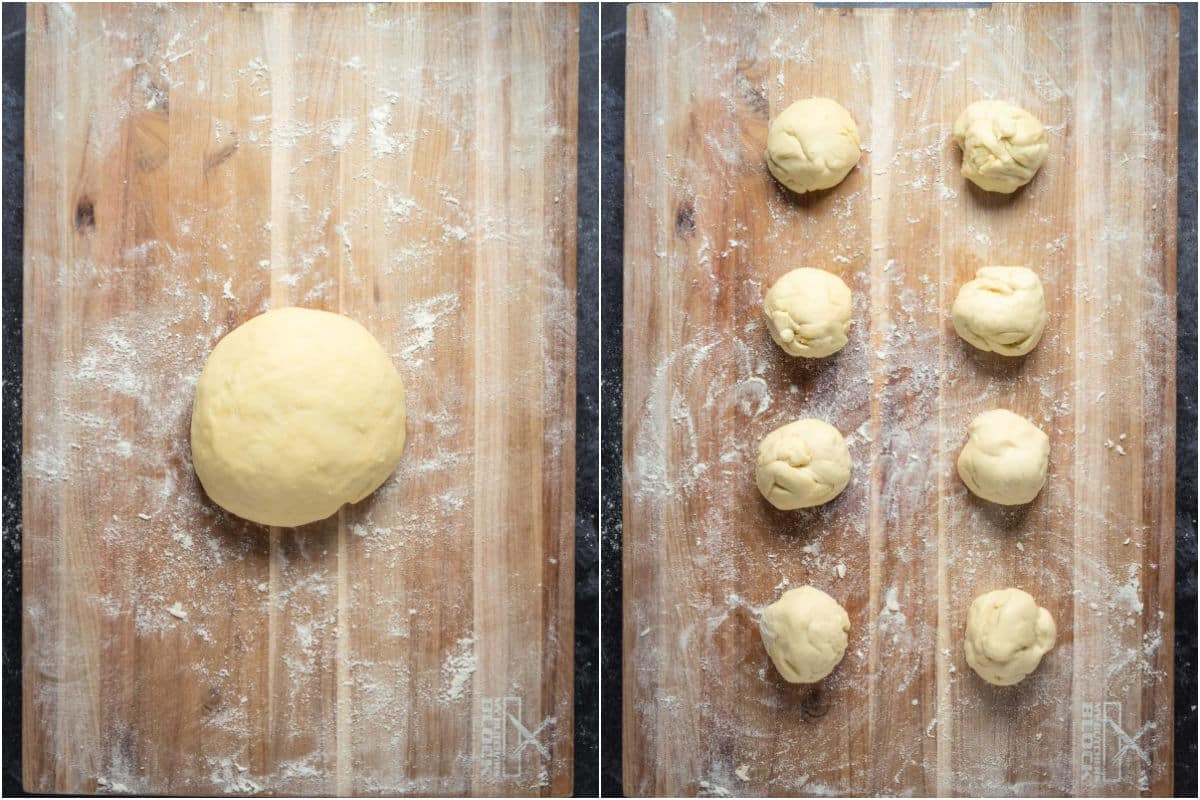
(707, 231)
(188, 167)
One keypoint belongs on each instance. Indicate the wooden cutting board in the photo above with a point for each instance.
(187, 168)
(706, 232)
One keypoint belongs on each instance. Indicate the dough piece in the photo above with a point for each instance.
(808, 312)
(812, 145)
(1007, 635)
(1002, 311)
(804, 632)
(297, 412)
(803, 464)
(1003, 146)
(1005, 458)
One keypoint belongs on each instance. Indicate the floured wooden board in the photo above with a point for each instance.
(187, 168)
(707, 231)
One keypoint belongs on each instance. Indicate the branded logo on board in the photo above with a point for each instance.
(1108, 751)
(507, 744)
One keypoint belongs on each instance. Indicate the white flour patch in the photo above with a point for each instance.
(302, 768)
(378, 121)
(893, 623)
(401, 207)
(457, 671)
(341, 132)
(453, 232)
(424, 319)
(232, 778)
(1128, 596)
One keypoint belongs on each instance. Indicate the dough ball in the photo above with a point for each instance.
(1005, 458)
(808, 312)
(1003, 146)
(297, 412)
(812, 145)
(1002, 311)
(803, 464)
(1007, 635)
(805, 634)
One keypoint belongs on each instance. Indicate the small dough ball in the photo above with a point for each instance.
(1007, 635)
(1002, 311)
(1003, 146)
(808, 312)
(297, 412)
(812, 145)
(1005, 458)
(803, 464)
(804, 632)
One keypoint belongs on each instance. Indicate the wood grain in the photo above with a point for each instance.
(187, 168)
(706, 232)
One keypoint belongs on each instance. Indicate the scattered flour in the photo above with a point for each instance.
(902, 391)
(457, 671)
(112, 430)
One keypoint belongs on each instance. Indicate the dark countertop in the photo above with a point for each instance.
(586, 388)
(587, 417)
(612, 249)
(1185, 413)
(612, 184)
(10, 456)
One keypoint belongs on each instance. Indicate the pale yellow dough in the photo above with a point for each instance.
(1002, 311)
(1005, 458)
(1003, 146)
(812, 145)
(1007, 635)
(804, 632)
(297, 412)
(803, 464)
(808, 312)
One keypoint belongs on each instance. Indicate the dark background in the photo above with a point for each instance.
(10, 383)
(612, 313)
(587, 416)
(586, 387)
(612, 241)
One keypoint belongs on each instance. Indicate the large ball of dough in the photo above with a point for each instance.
(1003, 146)
(1007, 635)
(803, 464)
(808, 312)
(1005, 458)
(804, 632)
(1002, 311)
(297, 412)
(812, 145)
